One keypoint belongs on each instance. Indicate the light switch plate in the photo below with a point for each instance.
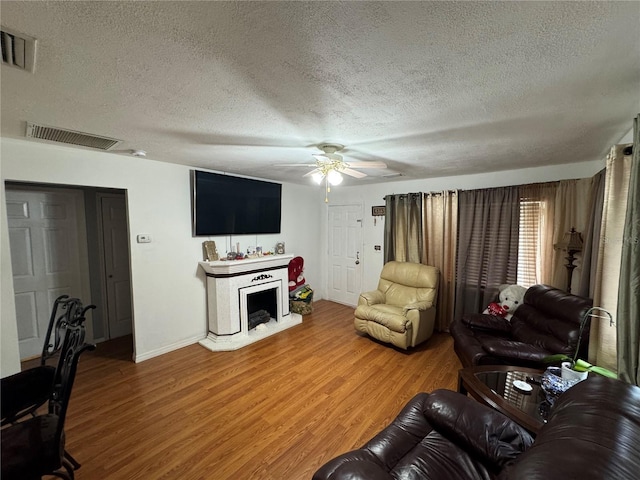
(144, 238)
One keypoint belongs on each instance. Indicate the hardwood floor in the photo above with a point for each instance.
(277, 409)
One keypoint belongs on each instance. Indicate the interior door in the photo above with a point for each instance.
(44, 241)
(115, 241)
(345, 253)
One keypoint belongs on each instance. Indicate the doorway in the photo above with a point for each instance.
(114, 241)
(57, 244)
(345, 254)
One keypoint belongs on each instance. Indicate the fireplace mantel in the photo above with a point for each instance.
(230, 267)
(228, 285)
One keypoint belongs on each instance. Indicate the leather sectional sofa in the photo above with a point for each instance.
(547, 322)
(593, 432)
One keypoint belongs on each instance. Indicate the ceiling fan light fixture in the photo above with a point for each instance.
(334, 177)
(317, 177)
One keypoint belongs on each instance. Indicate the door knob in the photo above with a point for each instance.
(357, 258)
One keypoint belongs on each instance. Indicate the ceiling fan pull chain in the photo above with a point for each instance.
(327, 189)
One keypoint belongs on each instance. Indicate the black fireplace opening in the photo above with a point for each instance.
(262, 306)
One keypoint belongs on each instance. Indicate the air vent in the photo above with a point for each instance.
(18, 50)
(54, 134)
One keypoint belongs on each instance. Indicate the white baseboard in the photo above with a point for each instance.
(137, 358)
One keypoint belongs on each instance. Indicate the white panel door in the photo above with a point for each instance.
(115, 239)
(43, 237)
(345, 253)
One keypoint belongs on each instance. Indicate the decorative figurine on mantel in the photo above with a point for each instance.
(210, 251)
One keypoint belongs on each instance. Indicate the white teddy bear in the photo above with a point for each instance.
(510, 298)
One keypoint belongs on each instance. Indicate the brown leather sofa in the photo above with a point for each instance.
(547, 322)
(593, 432)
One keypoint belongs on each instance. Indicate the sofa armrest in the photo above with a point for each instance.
(481, 321)
(474, 427)
(371, 298)
(356, 465)
(416, 306)
(512, 349)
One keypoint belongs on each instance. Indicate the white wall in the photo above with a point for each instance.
(169, 303)
(627, 138)
(9, 355)
(371, 195)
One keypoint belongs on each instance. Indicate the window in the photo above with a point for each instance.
(529, 235)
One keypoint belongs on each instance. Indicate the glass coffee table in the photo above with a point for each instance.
(494, 386)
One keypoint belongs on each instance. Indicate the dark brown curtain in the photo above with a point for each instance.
(487, 253)
(591, 237)
(403, 237)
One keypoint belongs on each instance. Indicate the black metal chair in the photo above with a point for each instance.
(36, 446)
(25, 392)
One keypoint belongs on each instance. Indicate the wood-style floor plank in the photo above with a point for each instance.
(276, 409)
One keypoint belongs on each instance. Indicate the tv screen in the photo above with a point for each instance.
(227, 205)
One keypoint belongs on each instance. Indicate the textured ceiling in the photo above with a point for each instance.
(430, 88)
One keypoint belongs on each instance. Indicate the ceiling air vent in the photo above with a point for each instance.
(54, 134)
(18, 50)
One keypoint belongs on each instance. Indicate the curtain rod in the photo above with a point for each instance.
(418, 193)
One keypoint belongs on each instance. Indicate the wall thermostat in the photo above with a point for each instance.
(279, 248)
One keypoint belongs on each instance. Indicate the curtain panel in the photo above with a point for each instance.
(628, 334)
(403, 237)
(487, 252)
(440, 237)
(591, 237)
(602, 338)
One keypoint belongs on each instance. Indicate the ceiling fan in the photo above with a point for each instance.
(330, 166)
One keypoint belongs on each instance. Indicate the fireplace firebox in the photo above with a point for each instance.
(262, 307)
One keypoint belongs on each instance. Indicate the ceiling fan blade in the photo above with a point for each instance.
(321, 157)
(367, 164)
(307, 165)
(353, 173)
(308, 174)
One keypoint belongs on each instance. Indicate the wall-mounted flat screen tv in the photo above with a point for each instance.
(228, 205)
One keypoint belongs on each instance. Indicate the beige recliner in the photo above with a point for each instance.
(402, 310)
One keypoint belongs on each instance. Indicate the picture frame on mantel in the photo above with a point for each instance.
(210, 251)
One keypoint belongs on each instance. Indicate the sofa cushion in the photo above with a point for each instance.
(404, 283)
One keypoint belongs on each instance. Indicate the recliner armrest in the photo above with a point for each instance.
(416, 306)
(371, 298)
(491, 436)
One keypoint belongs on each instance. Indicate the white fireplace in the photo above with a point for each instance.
(235, 287)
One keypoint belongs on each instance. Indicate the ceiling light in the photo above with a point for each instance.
(317, 177)
(334, 177)
(138, 153)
